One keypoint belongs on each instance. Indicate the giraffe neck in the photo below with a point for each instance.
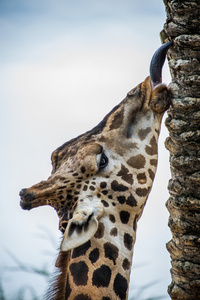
(100, 268)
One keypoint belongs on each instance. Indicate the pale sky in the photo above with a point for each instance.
(64, 66)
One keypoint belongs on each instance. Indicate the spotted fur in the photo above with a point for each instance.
(99, 186)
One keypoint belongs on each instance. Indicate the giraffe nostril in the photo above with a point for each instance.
(26, 199)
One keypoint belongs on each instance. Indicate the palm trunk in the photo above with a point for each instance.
(183, 27)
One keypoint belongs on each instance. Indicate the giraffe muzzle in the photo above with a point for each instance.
(41, 193)
(26, 199)
(34, 196)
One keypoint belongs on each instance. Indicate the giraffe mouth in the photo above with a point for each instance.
(26, 199)
(29, 199)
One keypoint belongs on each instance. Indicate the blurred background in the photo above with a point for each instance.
(64, 66)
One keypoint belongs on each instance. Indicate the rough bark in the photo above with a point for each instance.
(183, 28)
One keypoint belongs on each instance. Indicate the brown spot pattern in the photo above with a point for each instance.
(120, 286)
(113, 231)
(118, 187)
(131, 201)
(126, 264)
(128, 241)
(124, 173)
(91, 187)
(121, 199)
(81, 250)
(124, 216)
(100, 231)
(82, 297)
(105, 192)
(153, 162)
(118, 119)
(135, 223)
(151, 174)
(94, 255)
(79, 268)
(103, 184)
(111, 252)
(142, 133)
(101, 276)
(137, 162)
(142, 178)
(83, 169)
(112, 218)
(105, 203)
(152, 149)
(142, 192)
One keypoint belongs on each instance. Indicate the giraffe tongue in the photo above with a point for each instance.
(156, 64)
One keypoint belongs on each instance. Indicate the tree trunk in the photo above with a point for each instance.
(183, 27)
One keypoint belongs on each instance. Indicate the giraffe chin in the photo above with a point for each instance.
(25, 205)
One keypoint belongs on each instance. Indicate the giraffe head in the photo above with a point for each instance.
(111, 165)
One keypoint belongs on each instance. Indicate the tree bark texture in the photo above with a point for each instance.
(183, 28)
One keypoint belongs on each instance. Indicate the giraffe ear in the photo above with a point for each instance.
(160, 98)
(83, 225)
(76, 235)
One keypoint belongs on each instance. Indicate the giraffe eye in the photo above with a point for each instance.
(103, 161)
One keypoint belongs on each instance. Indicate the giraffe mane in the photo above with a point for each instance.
(58, 287)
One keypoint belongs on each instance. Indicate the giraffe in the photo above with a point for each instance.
(99, 185)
